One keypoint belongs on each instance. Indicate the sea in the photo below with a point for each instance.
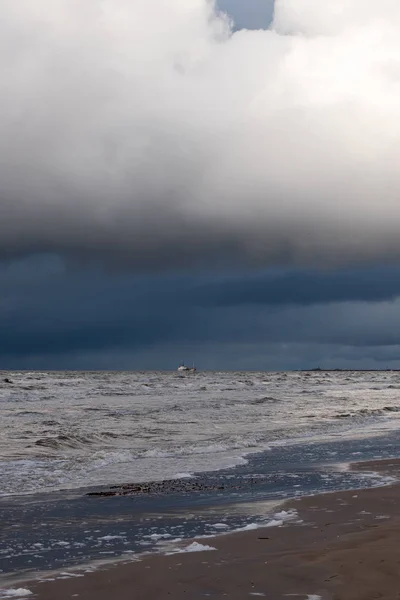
(229, 447)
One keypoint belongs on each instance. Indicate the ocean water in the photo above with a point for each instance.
(69, 430)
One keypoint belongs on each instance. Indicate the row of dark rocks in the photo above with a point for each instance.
(173, 486)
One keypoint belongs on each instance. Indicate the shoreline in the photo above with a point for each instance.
(345, 544)
(63, 533)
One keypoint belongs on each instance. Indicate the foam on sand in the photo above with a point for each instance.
(194, 547)
(278, 520)
(15, 593)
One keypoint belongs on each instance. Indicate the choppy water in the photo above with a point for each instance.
(71, 430)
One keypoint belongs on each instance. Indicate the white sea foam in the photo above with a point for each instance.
(249, 527)
(62, 543)
(15, 593)
(287, 515)
(277, 520)
(194, 547)
(158, 536)
(274, 523)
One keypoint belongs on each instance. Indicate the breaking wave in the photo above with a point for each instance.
(57, 442)
(213, 448)
(110, 427)
(368, 412)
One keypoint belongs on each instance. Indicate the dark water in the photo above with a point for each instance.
(58, 530)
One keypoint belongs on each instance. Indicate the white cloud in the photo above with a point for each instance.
(143, 131)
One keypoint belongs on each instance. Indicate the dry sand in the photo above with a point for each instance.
(347, 548)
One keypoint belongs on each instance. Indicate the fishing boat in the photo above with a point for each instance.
(184, 369)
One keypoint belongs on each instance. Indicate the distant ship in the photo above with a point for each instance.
(184, 369)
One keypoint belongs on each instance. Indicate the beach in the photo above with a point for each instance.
(341, 545)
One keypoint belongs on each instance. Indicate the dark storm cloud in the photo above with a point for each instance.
(89, 319)
(300, 287)
(46, 308)
(148, 134)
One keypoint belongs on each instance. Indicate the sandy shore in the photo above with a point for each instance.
(347, 547)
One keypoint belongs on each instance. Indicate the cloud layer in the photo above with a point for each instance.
(52, 317)
(148, 134)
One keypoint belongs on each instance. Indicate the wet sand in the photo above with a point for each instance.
(347, 548)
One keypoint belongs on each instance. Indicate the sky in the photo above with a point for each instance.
(199, 182)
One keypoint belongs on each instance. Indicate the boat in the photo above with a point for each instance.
(184, 369)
